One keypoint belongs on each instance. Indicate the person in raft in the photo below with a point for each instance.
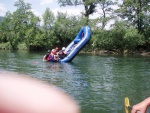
(47, 56)
(62, 54)
(54, 57)
(24, 94)
(56, 48)
(51, 55)
(142, 106)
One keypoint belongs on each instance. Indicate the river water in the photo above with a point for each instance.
(98, 82)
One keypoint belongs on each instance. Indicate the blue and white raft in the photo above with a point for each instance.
(77, 44)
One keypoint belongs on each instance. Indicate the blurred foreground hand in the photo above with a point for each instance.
(21, 94)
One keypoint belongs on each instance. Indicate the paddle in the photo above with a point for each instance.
(128, 108)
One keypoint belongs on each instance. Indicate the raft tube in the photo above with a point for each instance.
(77, 44)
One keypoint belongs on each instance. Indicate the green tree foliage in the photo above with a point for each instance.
(32, 36)
(1, 18)
(118, 33)
(7, 32)
(106, 12)
(66, 28)
(102, 40)
(136, 12)
(48, 23)
(21, 26)
(131, 31)
(132, 39)
(49, 19)
(21, 18)
(15, 25)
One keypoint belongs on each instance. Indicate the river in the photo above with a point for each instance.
(98, 82)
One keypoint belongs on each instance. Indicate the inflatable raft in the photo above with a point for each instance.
(77, 44)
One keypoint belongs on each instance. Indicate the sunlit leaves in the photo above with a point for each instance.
(48, 19)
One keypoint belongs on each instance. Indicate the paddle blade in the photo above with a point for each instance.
(127, 104)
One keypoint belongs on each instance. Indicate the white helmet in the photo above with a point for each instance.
(63, 48)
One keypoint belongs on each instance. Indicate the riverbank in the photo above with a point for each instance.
(142, 52)
(117, 52)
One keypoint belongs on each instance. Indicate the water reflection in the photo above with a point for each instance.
(65, 75)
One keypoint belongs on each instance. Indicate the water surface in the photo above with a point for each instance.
(99, 83)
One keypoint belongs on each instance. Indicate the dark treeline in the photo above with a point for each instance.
(129, 31)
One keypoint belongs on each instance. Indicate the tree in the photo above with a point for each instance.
(106, 11)
(66, 28)
(16, 23)
(117, 35)
(21, 18)
(132, 39)
(48, 19)
(47, 28)
(7, 31)
(136, 12)
(89, 6)
(1, 18)
(32, 36)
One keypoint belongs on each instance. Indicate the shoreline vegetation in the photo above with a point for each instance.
(117, 52)
(5, 46)
(129, 34)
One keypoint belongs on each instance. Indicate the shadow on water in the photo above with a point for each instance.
(99, 83)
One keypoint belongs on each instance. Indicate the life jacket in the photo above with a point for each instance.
(51, 57)
(47, 57)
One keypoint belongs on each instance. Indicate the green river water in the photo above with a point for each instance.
(98, 82)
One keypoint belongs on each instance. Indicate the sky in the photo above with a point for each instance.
(39, 7)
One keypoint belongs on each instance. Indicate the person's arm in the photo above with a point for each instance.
(142, 106)
(21, 94)
(44, 58)
(65, 52)
(56, 57)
